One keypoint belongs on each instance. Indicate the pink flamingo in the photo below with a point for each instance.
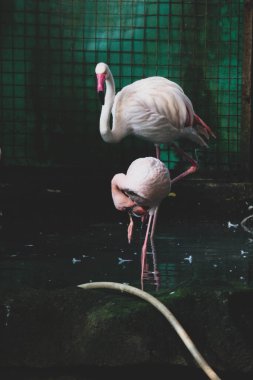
(140, 192)
(154, 109)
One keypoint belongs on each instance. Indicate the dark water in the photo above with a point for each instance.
(210, 254)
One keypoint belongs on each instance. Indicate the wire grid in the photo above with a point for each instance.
(49, 49)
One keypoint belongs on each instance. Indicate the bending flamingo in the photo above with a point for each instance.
(140, 192)
(154, 109)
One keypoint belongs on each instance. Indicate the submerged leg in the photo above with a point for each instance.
(155, 266)
(151, 273)
(144, 246)
(151, 226)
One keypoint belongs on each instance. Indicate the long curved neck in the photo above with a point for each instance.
(107, 134)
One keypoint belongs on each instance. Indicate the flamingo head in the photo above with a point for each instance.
(101, 71)
(140, 205)
(125, 199)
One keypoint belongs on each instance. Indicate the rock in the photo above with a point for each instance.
(74, 327)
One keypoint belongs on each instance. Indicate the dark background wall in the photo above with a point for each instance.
(49, 111)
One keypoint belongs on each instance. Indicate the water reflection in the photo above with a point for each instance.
(206, 255)
(149, 271)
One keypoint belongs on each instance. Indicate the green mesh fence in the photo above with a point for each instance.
(48, 51)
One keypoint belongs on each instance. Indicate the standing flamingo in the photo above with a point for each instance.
(154, 109)
(140, 191)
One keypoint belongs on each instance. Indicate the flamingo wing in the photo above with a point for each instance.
(154, 108)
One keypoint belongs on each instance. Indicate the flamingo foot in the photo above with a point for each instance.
(191, 170)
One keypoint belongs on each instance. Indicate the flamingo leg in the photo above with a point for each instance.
(151, 225)
(154, 223)
(154, 272)
(144, 246)
(158, 151)
(191, 170)
(155, 266)
(130, 229)
(152, 233)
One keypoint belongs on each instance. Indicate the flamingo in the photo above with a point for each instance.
(140, 192)
(155, 109)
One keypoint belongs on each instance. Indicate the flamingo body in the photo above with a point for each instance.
(160, 119)
(154, 109)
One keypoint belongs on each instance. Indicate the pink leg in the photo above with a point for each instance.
(144, 246)
(157, 150)
(154, 224)
(130, 229)
(192, 169)
(151, 223)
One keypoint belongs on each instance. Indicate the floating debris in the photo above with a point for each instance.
(122, 261)
(8, 312)
(232, 225)
(75, 261)
(250, 207)
(83, 257)
(189, 259)
(53, 191)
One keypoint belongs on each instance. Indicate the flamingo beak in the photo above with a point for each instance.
(100, 87)
(139, 211)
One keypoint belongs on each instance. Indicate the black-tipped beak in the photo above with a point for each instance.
(101, 96)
